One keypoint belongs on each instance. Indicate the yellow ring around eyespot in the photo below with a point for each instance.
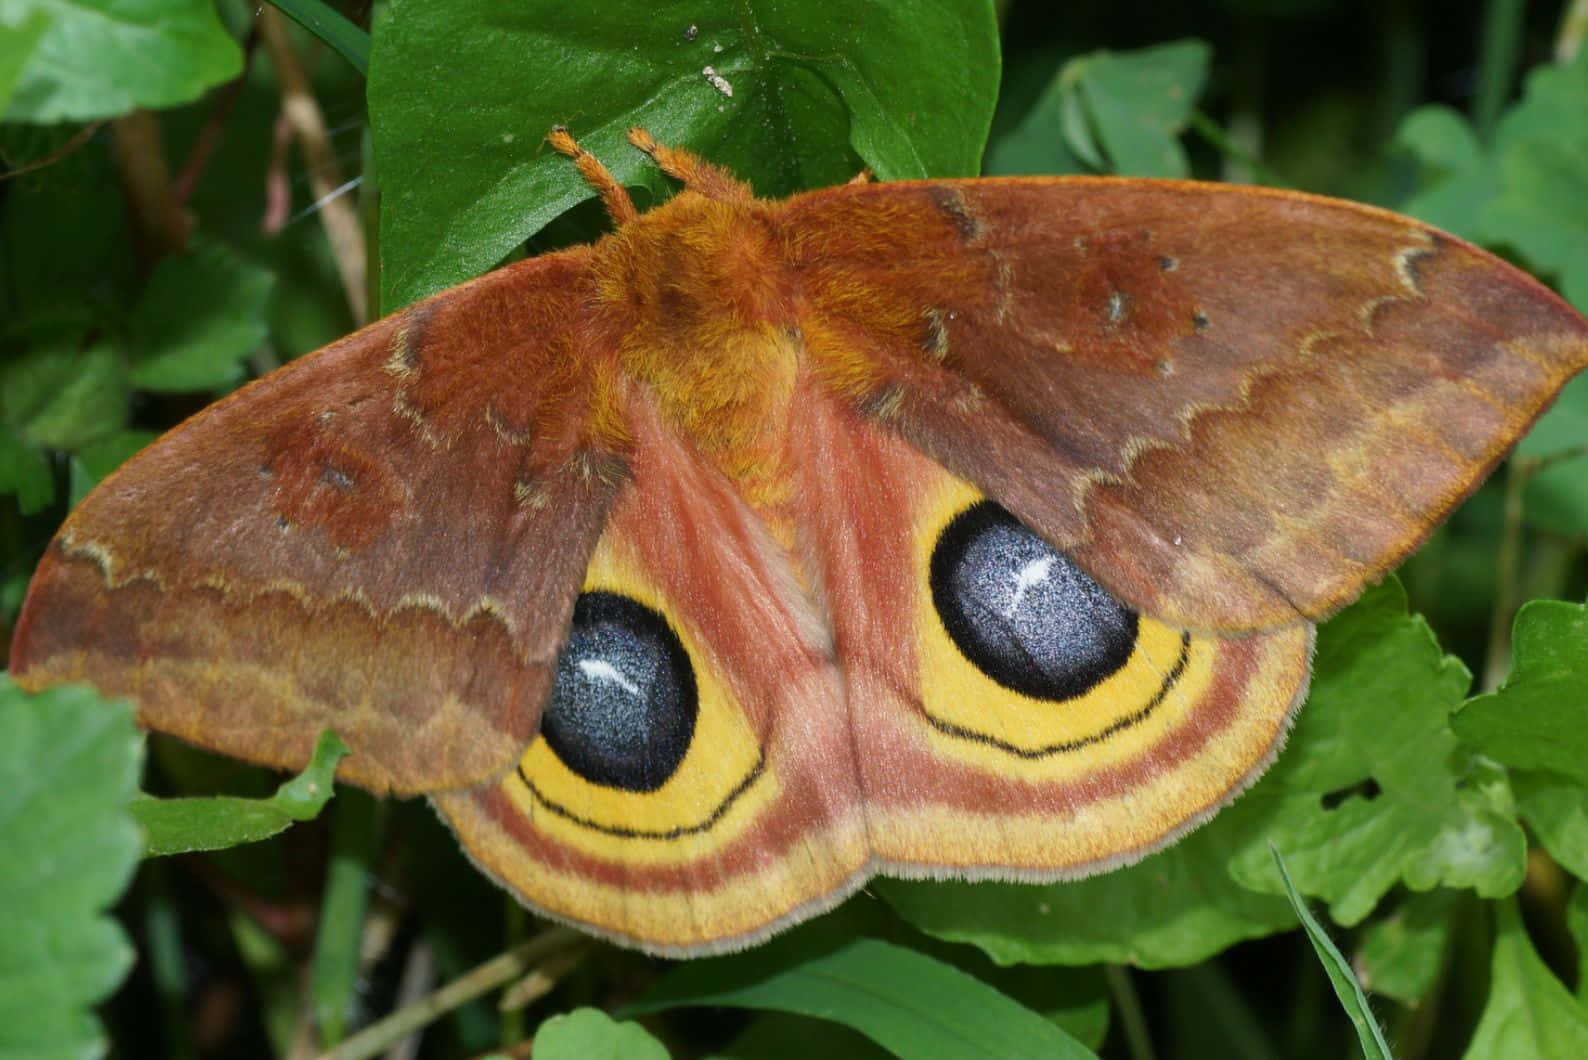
(980, 722)
(718, 790)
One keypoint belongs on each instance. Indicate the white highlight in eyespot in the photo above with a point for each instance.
(601, 670)
(1032, 574)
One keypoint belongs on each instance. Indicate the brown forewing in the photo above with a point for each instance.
(385, 537)
(1234, 406)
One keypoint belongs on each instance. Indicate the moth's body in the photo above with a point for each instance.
(701, 310)
(679, 569)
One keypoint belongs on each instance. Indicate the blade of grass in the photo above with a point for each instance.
(1346, 988)
(337, 942)
(350, 42)
(909, 1003)
(1499, 54)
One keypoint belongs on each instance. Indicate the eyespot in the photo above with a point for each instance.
(623, 709)
(644, 749)
(1021, 612)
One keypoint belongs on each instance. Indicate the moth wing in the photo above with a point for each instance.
(384, 537)
(1012, 720)
(1233, 406)
(835, 728)
(722, 802)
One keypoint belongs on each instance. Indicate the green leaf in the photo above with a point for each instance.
(1541, 152)
(1038, 142)
(1535, 720)
(24, 471)
(178, 826)
(590, 1034)
(1139, 102)
(21, 30)
(782, 1036)
(202, 313)
(1442, 140)
(101, 58)
(1529, 1012)
(911, 1004)
(69, 765)
(466, 178)
(1118, 111)
(1399, 955)
(1379, 791)
(1174, 908)
(1457, 178)
(64, 244)
(61, 397)
(1338, 969)
(1556, 809)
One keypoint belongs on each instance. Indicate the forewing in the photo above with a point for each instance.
(384, 537)
(1235, 407)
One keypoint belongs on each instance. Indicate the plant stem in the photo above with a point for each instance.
(1499, 49)
(484, 978)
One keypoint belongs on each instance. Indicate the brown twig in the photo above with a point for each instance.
(160, 226)
(1573, 27)
(213, 130)
(78, 139)
(302, 112)
(482, 979)
(542, 979)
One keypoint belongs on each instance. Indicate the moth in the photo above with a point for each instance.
(966, 528)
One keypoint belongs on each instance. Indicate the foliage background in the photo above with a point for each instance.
(190, 186)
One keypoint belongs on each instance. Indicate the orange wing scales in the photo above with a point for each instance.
(756, 456)
(1219, 341)
(347, 546)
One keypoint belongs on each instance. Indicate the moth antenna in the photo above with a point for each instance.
(697, 174)
(613, 195)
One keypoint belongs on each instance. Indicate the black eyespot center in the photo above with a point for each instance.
(624, 704)
(1021, 612)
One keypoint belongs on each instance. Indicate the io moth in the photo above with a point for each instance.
(968, 528)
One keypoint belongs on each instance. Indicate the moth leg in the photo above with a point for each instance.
(865, 176)
(613, 195)
(698, 175)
